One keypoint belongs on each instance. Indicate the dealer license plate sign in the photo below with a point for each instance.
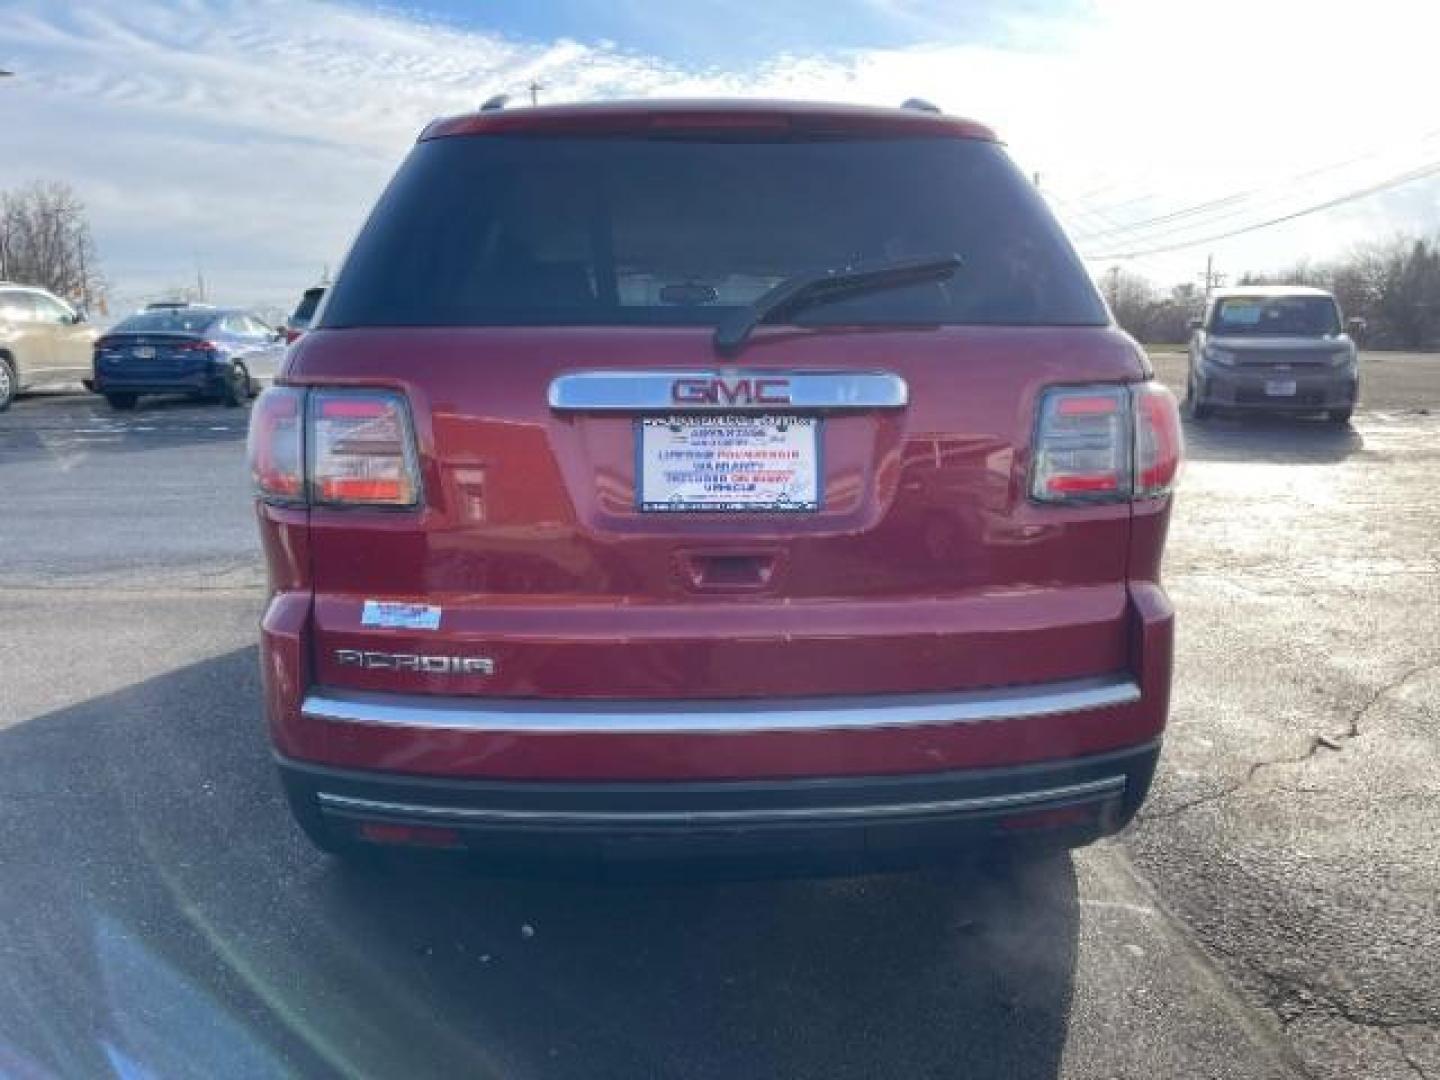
(735, 464)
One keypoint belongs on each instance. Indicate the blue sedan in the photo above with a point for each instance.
(218, 353)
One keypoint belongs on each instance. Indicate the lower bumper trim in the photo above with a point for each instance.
(369, 808)
(858, 820)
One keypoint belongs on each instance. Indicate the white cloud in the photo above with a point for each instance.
(254, 136)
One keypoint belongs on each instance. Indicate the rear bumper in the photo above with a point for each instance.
(868, 778)
(857, 820)
(502, 738)
(203, 382)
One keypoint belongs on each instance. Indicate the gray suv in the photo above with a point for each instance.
(1275, 349)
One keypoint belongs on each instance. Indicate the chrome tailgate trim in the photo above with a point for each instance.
(726, 391)
(684, 717)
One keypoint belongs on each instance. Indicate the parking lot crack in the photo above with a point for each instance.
(1359, 716)
(1293, 999)
(1329, 741)
(1415, 1066)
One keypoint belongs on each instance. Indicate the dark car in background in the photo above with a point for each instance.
(1273, 348)
(304, 313)
(220, 353)
(602, 524)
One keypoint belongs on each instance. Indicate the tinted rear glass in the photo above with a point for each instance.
(1301, 316)
(552, 231)
(163, 321)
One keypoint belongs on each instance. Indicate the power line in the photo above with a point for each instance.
(1420, 173)
(1234, 197)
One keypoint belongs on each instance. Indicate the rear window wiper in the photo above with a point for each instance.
(822, 286)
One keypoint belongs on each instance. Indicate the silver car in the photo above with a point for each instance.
(1274, 349)
(43, 341)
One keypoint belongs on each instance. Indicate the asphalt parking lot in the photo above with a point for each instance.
(1273, 914)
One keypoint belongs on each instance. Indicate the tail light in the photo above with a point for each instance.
(1159, 444)
(196, 346)
(361, 452)
(333, 448)
(1105, 443)
(276, 445)
(291, 335)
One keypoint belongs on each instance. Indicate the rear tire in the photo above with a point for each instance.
(1340, 417)
(1197, 409)
(122, 402)
(9, 383)
(237, 387)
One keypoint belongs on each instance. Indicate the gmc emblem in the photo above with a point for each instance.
(714, 390)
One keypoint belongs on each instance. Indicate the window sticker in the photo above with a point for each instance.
(400, 616)
(1242, 314)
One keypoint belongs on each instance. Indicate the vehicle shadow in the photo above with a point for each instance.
(1276, 439)
(159, 912)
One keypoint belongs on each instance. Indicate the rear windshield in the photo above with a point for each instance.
(1297, 316)
(163, 321)
(516, 230)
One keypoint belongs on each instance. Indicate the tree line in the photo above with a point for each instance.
(1393, 285)
(45, 240)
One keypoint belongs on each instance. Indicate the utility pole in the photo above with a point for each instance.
(535, 87)
(1212, 279)
(1111, 287)
(84, 277)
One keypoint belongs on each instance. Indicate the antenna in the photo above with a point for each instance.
(916, 104)
(496, 103)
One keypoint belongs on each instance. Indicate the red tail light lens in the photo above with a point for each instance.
(275, 447)
(1159, 442)
(196, 346)
(291, 334)
(1106, 443)
(333, 448)
(1082, 445)
(361, 450)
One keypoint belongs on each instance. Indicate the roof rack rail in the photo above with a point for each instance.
(920, 105)
(496, 103)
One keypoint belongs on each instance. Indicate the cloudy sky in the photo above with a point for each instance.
(250, 138)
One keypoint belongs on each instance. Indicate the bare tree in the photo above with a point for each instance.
(1129, 295)
(1394, 285)
(45, 240)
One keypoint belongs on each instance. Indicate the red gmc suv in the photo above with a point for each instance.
(688, 478)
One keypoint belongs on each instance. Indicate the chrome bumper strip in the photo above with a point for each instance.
(685, 717)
